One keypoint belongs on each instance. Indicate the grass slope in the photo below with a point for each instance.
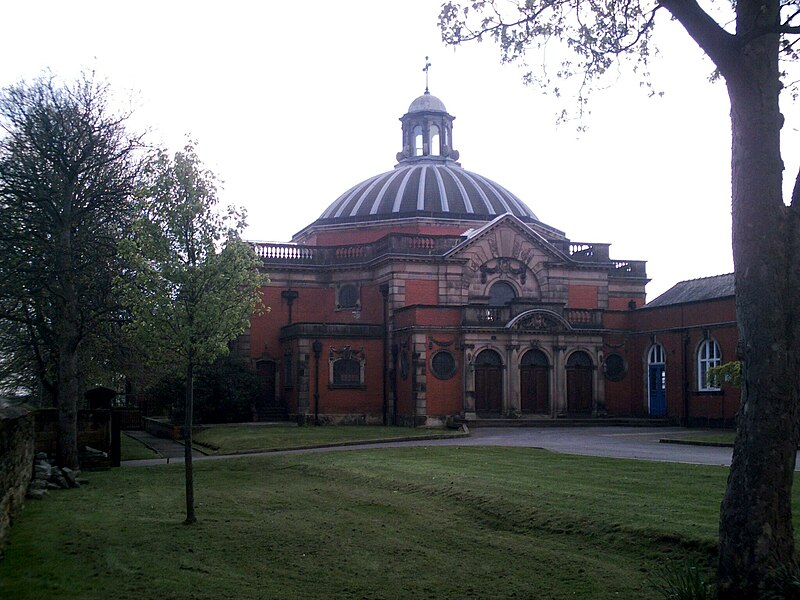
(131, 449)
(235, 439)
(399, 523)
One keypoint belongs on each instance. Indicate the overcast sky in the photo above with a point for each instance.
(292, 103)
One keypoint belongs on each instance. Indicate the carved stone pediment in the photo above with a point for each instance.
(346, 352)
(541, 321)
(510, 267)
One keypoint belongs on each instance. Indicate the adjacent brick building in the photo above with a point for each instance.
(430, 291)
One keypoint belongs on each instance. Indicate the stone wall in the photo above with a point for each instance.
(16, 460)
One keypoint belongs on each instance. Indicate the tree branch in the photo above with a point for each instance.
(795, 203)
(717, 43)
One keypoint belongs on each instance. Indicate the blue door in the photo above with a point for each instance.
(657, 390)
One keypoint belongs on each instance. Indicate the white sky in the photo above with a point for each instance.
(293, 103)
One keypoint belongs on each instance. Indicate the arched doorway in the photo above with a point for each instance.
(579, 382)
(488, 382)
(656, 381)
(534, 382)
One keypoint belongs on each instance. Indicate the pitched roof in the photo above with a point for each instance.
(696, 290)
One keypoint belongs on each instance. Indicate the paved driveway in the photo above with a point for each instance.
(619, 442)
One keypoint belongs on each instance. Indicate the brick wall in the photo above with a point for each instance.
(16, 464)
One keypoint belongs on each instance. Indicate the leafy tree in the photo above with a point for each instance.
(755, 520)
(729, 373)
(68, 170)
(195, 282)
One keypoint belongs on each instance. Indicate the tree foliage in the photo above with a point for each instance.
(729, 373)
(751, 43)
(194, 283)
(68, 170)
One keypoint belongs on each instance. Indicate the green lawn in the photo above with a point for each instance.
(715, 437)
(395, 523)
(132, 449)
(235, 439)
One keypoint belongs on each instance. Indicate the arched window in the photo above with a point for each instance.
(501, 293)
(488, 358)
(579, 359)
(534, 358)
(418, 141)
(656, 355)
(708, 356)
(435, 147)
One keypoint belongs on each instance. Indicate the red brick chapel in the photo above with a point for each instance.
(430, 292)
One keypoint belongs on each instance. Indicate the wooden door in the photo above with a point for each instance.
(579, 383)
(488, 388)
(488, 382)
(534, 383)
(657, 390)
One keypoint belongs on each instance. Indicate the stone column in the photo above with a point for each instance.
(303, 374)
(512, 378)
(599, 407)
(559, 405)
(469, 381)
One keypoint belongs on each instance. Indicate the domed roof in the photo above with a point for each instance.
(426, 188)
(427, 181)
(426, 102)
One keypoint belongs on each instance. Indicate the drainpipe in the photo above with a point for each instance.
(290, 296)
(686, 380)
(395, 352)
(385, 293)
(414, 359)
(317, 348)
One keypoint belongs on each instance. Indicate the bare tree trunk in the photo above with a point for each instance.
(756, 521)
(187, 440)
(68, 393)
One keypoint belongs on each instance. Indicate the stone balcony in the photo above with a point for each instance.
(500, 316)
(320, 256)
(399, 244)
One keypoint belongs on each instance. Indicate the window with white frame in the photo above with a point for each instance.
(708, 356)
(656, 355)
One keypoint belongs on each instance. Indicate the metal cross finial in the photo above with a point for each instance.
(427, 66)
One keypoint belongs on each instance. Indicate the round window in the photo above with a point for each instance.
(443, 364)
(348, 296)
(615, 367)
